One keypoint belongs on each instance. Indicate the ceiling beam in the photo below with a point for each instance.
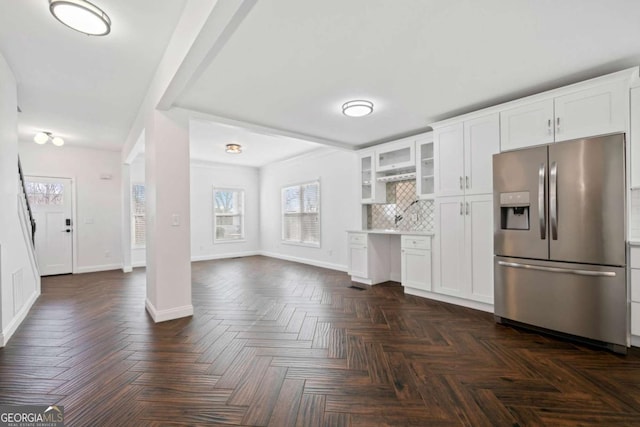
(258, 128)
(223, 21)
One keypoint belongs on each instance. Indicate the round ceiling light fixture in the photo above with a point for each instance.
(44, 137)
(81, 16)
(357, 108)
(233, 148)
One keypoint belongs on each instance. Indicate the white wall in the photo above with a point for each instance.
(97, 201)
(19, 279)
(339, 205)
(205, 176)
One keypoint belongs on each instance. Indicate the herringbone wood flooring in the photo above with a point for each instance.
(274, 343)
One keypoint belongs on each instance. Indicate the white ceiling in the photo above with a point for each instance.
(84, 89)
(208, 141)
(289, 65)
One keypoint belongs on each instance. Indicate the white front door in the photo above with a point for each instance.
(50, 200)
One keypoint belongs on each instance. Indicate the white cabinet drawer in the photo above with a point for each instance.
(634, 258)
(635, 318)
(416, 242)
(635, 285)
(359, 239)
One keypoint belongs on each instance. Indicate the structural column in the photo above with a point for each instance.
(167, 192)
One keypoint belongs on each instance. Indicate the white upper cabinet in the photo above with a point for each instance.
(371, 190)
(425, 167)
(594, 110)
(481, 142)
(527, 125)
(464, 153)
(635, 137)
(449, 154)
(397, 155)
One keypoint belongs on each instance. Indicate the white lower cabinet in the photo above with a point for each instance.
(463, 247)
(368, 258)
(635, 290)
(415, 262)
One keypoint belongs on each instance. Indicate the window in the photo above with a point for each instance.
(138, 219)
(301, 214)
(44, 193)
(228, 215)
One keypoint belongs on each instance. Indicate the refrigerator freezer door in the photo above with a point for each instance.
(583, 300)
(514, 173)
(587, 213)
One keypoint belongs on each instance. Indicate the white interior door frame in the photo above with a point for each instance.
(74, 222)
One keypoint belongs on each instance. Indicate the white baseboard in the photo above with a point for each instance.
(210, 257)
(449, 299)
(362, 280)
(322, 264)
(6, 334)
(635, 341)
(169, 314)
(95, 268)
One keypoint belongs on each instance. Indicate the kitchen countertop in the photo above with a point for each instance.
(398, 232)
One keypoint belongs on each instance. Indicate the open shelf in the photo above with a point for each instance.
(398, 177)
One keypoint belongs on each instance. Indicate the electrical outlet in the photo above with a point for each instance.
(330, 252)
(107, 254)
(414, 217)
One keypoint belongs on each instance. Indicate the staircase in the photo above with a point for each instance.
(26, 218)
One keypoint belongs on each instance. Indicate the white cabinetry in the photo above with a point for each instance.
(635, 137)
(635, 290)
(594, 110)
(526, 125)
(371, 190)
(397, 155)
(449, 154)
(416, 262)
(368, 258)
(463, 247)
(463, 153)
(425, 168)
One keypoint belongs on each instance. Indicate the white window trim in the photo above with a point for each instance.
(300, 243)
(215, 216)
(133, 215)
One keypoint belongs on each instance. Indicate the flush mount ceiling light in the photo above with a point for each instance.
(81, 16)
(357, 108)
(233, 149)
(44, 137)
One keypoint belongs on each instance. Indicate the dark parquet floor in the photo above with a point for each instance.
(274, 343)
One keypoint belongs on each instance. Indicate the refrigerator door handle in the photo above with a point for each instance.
(553, 199)
(558, 270)
(541, 201)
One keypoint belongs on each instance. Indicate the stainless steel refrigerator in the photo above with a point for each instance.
(559, 239)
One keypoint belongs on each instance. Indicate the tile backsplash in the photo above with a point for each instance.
(403, 211)
(634, 224)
